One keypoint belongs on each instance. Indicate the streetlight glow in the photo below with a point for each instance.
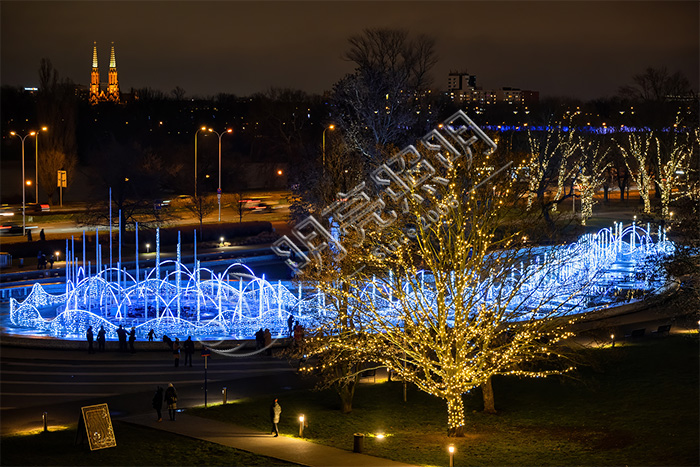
(323, 144)
(24, 201)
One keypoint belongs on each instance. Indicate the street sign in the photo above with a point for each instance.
(62, 179)
(218, 191)
(206, 352)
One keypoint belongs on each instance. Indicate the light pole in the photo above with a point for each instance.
(218, 190)
(22, 138)
(195, 158)
(36, 166)
(323, 144)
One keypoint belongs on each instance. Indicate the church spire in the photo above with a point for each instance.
(94, 55)
(112, 58)
(94, 77)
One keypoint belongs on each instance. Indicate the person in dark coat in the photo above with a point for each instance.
(101, 339)
(268, 341)
(189, 350)
(168, 341)
(52, 259)
(171, 400)
(132, 338)
(42, 235)
(158, 403)
(259, 339)
(121, 333)
(290, 324)
(89, 336)
(151, 335)
(275, 411)
(176, 351)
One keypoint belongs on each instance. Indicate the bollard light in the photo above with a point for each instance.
(451, 449)
(148, 247)
(224, 392)
(44, 417)
(612, 338)
(301, 425)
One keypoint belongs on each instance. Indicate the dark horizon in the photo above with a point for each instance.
(584, 50)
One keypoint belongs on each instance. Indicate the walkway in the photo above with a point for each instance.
(283, 448)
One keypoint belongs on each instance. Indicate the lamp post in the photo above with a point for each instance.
(323, 144)
(451, 450)
(195, 158)
(22, 138)
(36, 166)
(218, 190)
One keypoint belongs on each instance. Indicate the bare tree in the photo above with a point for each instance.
(201, 206)
(56, 109)
(656, 85)
(379, 104)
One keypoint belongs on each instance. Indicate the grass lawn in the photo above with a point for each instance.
(135, 446)
(636, 404)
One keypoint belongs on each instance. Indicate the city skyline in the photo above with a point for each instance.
(575, 49)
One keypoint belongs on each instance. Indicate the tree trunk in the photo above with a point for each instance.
(346, 393)
(455, 416)
(487, 393)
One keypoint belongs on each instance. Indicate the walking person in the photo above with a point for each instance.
(42, 235)
(132, 338)
(176, 351)
(151, 335)
(290, 324)
(189, 350)
(259, 339)
(121, 333)
(275, 411)
(171, 400)
(158, 403)
(268, 342)
(101, 339)
(52, 259)
(89, 339)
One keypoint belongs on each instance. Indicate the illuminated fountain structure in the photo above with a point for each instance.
(613, 264)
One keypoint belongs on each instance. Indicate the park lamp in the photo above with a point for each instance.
(301, 425)
(451, 450)
(148, 247)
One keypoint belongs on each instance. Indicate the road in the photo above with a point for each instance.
(59, 382)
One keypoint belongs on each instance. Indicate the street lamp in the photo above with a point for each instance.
(22, 138)
(36, 166)
(218, 190)
(323, 144)
(195, 158)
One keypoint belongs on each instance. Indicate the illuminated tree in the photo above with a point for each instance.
(593, 168)
(551, 162)
(672, 157)
(636, 151)
(447, 296)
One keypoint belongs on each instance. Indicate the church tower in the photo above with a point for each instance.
(113, 86)
(112, 92)
(94, 77)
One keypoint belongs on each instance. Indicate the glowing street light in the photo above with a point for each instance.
(22, 138)
(36, 166)
(451, 450)
(301, 425)
(218, 190)
(323, 144)
(195, 158)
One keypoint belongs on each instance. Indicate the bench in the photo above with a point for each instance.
(637, 333)
(369, 374)
(664, 330)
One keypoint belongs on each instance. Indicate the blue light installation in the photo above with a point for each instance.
(599, 269)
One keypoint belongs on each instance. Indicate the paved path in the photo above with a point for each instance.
(284, 448)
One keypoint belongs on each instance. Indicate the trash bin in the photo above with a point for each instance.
(358, 439)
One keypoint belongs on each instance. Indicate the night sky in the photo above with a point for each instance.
(578, 49)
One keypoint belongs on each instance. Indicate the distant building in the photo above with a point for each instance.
(97, 92)
(462, 89)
